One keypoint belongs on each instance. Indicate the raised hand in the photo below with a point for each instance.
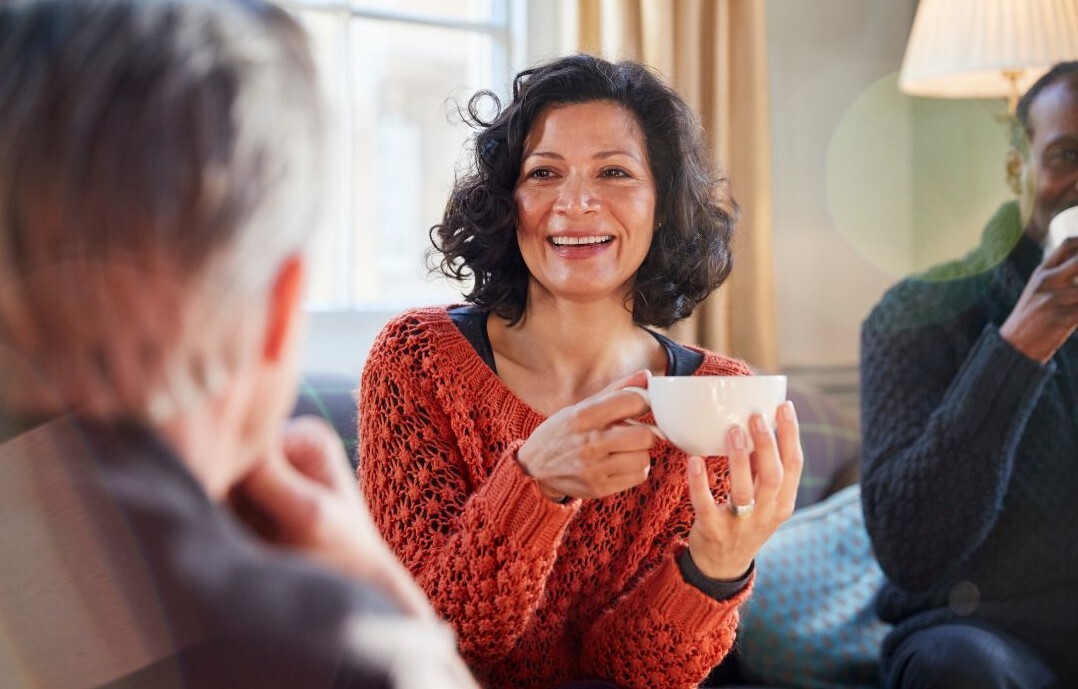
(726, 536)
(586, 451)
(304, 497)
(1047, 312)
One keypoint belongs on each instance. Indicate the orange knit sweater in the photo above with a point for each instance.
(539, 593)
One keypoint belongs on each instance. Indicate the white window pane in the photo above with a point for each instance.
(392, 87)
(327, 278)
(460, 10)
(407, 140)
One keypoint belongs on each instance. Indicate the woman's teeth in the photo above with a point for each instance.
(576, 241)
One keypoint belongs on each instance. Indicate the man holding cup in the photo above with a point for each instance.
(970, 414)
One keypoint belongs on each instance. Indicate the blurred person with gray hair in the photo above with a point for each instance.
(160, 524)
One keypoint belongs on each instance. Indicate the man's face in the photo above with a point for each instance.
(1050, 174)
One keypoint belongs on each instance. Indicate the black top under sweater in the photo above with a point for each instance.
(472, 323)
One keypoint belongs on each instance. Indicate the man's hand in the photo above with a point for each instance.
(303, 497)
(1047, 312)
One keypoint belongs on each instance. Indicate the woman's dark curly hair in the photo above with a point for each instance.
(694, 215)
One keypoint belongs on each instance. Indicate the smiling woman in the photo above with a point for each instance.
(585, 201)
(691, 256)
(560, 540)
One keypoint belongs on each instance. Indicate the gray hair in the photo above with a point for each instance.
(158, 160)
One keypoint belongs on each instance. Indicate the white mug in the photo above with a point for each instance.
(1064, 225)
(695, 413)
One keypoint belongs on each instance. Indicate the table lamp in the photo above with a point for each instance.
(986, 48)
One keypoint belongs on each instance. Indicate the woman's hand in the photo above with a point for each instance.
(302, 496)
(586, 451)
(763, 485)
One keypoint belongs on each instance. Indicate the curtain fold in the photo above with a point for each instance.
(714, 52)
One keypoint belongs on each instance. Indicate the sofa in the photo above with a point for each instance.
(825, 533)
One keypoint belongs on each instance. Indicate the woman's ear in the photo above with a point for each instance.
(1014, 164)
(285, 309)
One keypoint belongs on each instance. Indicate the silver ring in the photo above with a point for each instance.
(742, 511)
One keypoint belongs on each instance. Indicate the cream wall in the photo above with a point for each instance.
(839, 135)
(959, 149)
(869, 184)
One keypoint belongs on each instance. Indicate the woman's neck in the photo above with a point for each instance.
(564, 351)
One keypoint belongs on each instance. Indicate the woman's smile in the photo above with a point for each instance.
(585, 200)
(581, 246)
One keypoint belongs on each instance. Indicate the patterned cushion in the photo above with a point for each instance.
(811, 622)
(830, 439)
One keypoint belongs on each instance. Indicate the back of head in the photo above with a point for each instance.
(157, 163)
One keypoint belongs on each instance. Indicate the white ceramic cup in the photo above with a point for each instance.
(1064, 225)
(696, 412)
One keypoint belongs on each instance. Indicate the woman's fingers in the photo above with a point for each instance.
(608, 408)
(615, 472)
(770, 476)
(721, 544)
(793, 460)
(766, 460)
(586, 451)
(703, 502)
(614, 404)
(742, 485)
(637, 378)
(630, 471)
(622, 438)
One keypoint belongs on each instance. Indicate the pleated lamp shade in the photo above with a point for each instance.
(986, 48)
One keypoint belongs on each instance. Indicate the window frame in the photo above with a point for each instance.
(507, 32)
(339, 333)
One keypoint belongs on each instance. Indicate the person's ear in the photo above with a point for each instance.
(285, 308)
(1014, 164)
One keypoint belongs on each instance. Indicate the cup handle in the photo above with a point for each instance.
(651, 427)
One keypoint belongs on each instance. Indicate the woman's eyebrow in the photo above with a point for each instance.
(600, 154)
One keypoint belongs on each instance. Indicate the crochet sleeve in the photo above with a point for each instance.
(480, 546)
(664, 633)
(942, 412)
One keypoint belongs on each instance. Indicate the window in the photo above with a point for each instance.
(394, 72)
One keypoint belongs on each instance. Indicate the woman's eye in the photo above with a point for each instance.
(540, 173)
(615, 172)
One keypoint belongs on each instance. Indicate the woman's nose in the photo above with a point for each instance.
(576, 195)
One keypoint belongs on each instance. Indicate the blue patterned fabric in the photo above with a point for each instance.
(811, 621)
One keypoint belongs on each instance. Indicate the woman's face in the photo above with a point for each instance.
(585, 201)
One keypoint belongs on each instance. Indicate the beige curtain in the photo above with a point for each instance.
(714, 53)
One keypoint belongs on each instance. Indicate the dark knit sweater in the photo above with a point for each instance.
(970, 467)
(117, 571)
